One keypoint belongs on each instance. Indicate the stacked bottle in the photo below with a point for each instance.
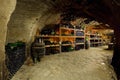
(79, 33)
(15, 53)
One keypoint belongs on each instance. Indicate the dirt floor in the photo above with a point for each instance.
(91, 64)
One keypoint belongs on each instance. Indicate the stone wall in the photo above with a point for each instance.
(5, 13)
(27, 17)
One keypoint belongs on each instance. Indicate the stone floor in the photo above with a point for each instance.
(91, 64)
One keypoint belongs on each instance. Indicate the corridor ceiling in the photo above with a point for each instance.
(102, 10)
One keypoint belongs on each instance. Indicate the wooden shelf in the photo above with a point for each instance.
(96, 42)
(93, 34)
(47, 36)
(66, 44)
(79, 30)
(80, 36)
(87, 34)
(95, 38)
(92, 43)
(52, 45)
(68, 36)
(79, 44)
(38, 47)
(92, 38)
(66, 28)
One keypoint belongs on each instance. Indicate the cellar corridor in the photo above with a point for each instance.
(91, 64)
(59, 39)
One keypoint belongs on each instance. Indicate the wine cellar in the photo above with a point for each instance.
(54, 39)
(62, 38)
(66, 37)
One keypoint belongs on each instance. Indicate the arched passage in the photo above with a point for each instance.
(30, 15)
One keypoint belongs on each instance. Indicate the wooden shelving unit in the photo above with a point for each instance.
(67, 39)
(95, 37)
(95, 40)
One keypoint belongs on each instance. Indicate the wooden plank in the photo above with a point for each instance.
(66, 44)
(47, 36)
(68, 36)
(67, 28)
(79, 30)
(80, 36)
(79, 44)
(52, 45)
